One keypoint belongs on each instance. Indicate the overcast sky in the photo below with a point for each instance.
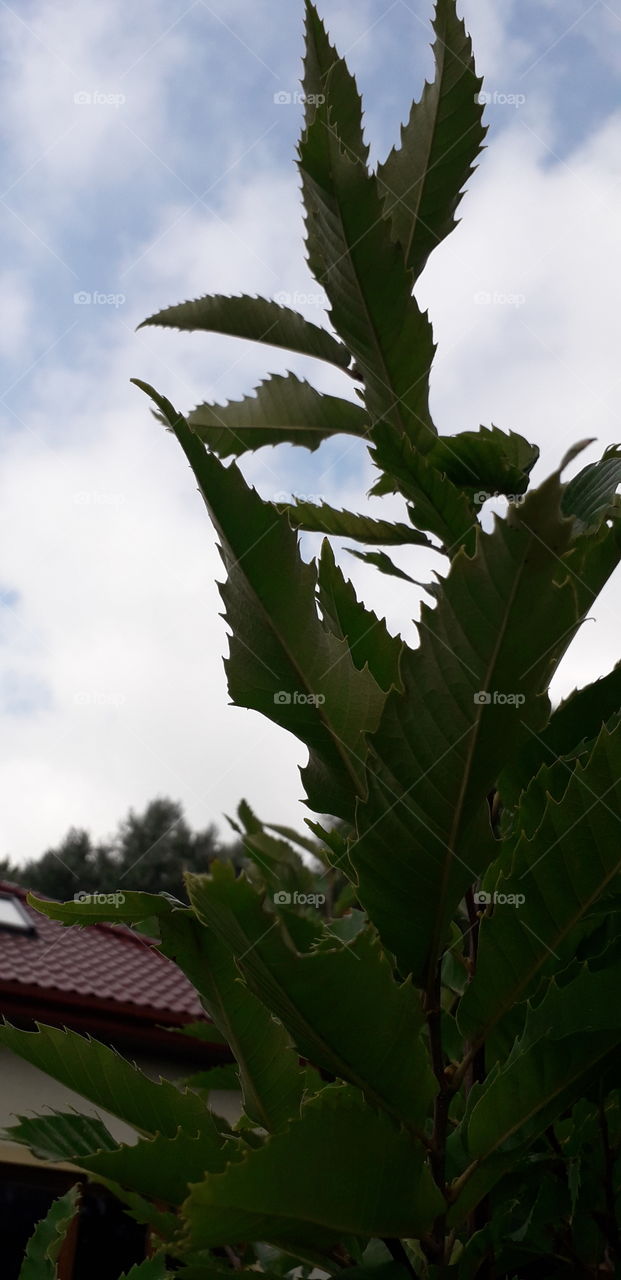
(146, 160)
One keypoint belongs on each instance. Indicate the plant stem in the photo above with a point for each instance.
(397, 1251)
(442, 1104)
(475, 1074)
(612, 1226)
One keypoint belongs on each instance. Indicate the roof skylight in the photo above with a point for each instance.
(13, 916)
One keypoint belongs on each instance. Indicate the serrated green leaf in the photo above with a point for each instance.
(437, 505)
(270, 1076)
(97, 908)
(258, 319)
(326, 73)
(364, 275)
(423, 180)
(369, 640)
(383, 562)
(61, 1135)
(320, 518)
(340, 1169)
(46, 1242)
(322, 997)
(278, 864)
(296, 837)
(589, 497)
(574, 858)
(592, 561)
(577, 720)
(284, 410)
(283, 662)
(488, 460)
(101, 1075)
(151, 1269)
(216, 1078)
(566, 1037)
(161, 1169)
(135, 907)
(501, 624)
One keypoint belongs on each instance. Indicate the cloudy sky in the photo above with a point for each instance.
(147, 159)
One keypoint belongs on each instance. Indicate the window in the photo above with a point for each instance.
(13, 916)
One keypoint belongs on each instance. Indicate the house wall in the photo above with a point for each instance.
(26, 1090)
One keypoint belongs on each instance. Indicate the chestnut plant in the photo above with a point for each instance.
(428, 1064)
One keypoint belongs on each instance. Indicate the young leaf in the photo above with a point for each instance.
(367, 635)
(43, 1248)
(282, 661)
(488, 460)
(284, 410)
(62, 1136)
(326, 73)
(258, 319)
(320, 518)
(436, 504)
(589, 497)
(277, 863)
(592, 561)
(341, 1169)
(422, 181)
(115, 908)
(383, 562)
(365, 278)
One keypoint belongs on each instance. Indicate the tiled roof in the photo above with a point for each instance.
(100, 966)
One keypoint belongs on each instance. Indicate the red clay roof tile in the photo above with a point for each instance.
(101, 963)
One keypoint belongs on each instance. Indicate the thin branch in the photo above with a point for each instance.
(612, 1226)
(397, 1251)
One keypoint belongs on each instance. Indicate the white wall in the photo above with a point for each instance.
(24, 1090)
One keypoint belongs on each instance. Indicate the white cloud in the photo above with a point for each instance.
(116, 628)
